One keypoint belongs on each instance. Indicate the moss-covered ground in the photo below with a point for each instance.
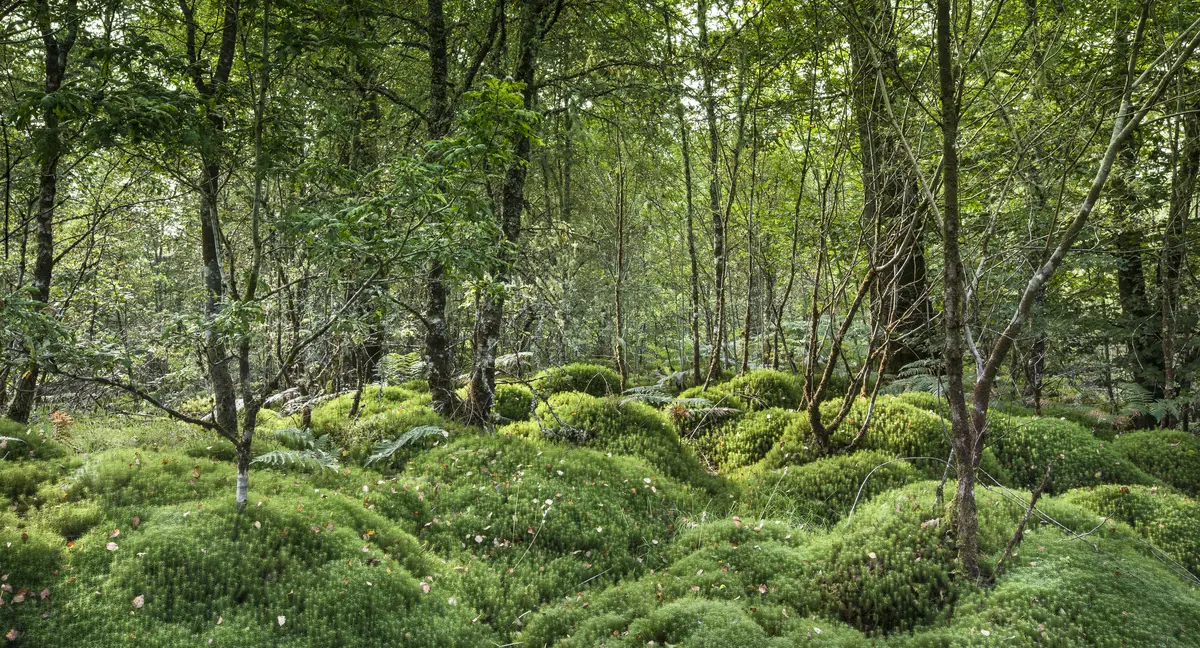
(591, 519)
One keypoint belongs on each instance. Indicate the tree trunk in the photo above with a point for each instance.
(618, 306)
(694, 276)
(966, 524)
(715, 364)
(49, 152)
(899, 300)
(438, 355)
(490, 315)
(1174, 246)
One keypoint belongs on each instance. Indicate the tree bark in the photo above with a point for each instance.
(1174, 246)
(486, 338)
(953, 316)
(438, 355)
(899, 300)
(50, 150)
(715, 364)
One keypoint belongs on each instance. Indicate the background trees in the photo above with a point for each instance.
(236, 198)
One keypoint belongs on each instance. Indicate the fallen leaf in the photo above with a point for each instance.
(139, 601)
(257, 524)
(112, 546)
(281, 619)
(44, 594)
(195, 472)
(135, 522)
(12, 635)
(425, 587)
(114, 533)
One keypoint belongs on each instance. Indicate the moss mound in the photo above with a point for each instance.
(628, 428)
(531, 522)
(895, 428)
(746, 440)
(1024, 444)
(818, 494)
(582, 377)
(513, 402)
(1170, 455)
(1168, 520)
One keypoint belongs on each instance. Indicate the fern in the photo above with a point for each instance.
(318, 458)
(303, 449)
(651, 395)
(385, 449)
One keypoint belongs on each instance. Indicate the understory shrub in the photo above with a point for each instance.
(592, 379)
(1170, 455)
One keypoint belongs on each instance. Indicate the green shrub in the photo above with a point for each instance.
(1023, 445)
(513, 401)
(1169, 520)
(1170, 455)
(578, 377)
(629, 428)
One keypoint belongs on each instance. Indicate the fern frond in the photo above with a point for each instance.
(385, 449)
(318, 458)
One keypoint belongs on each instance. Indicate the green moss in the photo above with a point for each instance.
(767, 388)
(895, 428)
(36, 442)
(531, 522)
(581, 377)
(747, 440)
(1169, 455)
(1023, 445)
(822, 492)
(1169, 520)
(513, 402)
(1101, 592)
(628, 428)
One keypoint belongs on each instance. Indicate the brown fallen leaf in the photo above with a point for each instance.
(135, 522)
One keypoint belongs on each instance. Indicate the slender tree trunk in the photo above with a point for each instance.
(962, 436)
(694, 276)
(438, 355)
(490, 315)
(714, 198)
(56, 50)
(618, 307)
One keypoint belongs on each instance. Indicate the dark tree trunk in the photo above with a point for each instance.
(438, 355)
(57, 49)
(899, 300)
(1174, 247)
(490, 315)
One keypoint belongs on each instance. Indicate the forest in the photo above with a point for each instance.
(573, 323)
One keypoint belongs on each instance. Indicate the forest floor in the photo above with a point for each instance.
(655, 520)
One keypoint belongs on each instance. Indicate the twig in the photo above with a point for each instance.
(1016, 539)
